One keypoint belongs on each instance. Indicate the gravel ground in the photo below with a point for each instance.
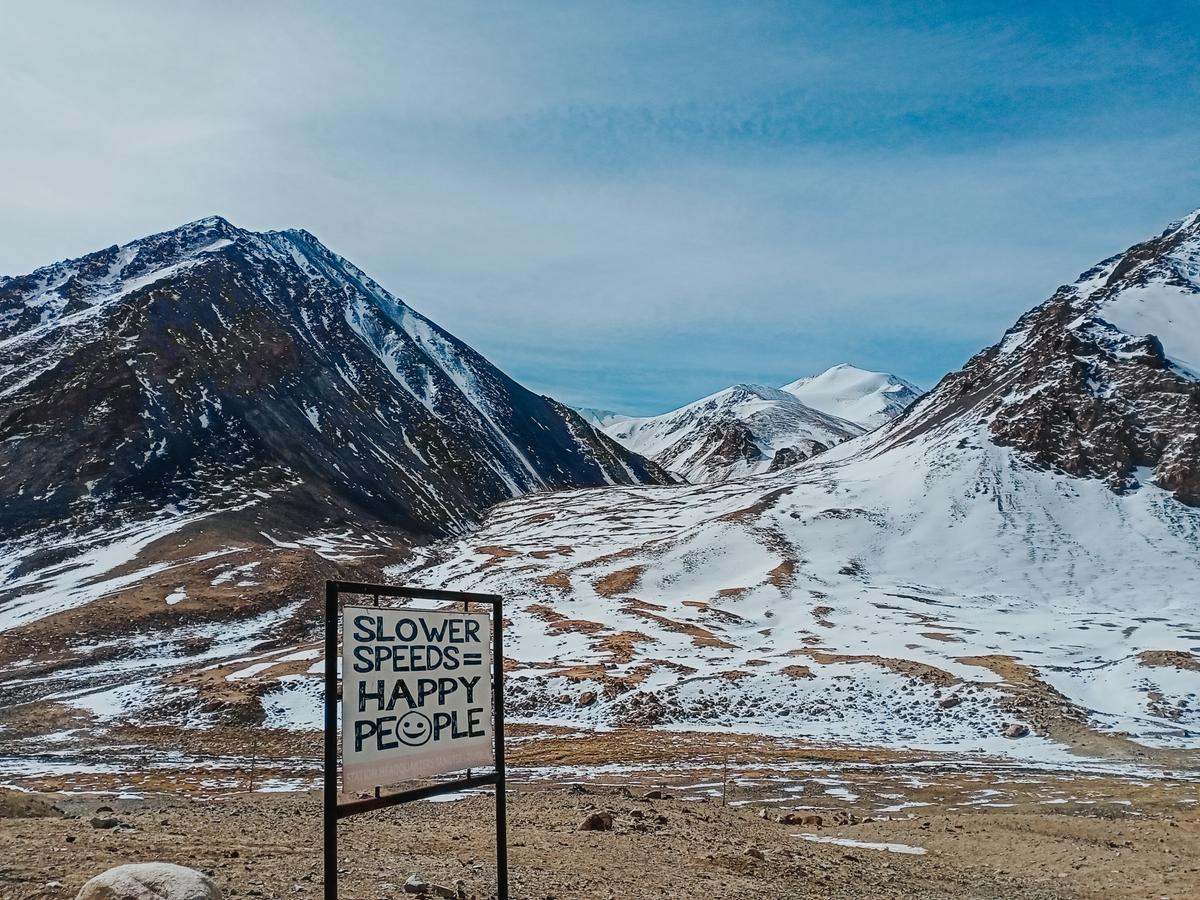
(268, 845)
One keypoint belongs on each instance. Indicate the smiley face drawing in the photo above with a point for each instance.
(414, 728)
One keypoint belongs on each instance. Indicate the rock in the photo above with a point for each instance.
(104, 822)
(654, 795)
(755, 853)
(795, 818)
(1016, 730)
(587, 698)
(597, 821)
(762, 813)
(150, 881)
(575, 789)
(415, 884)
(950, 702)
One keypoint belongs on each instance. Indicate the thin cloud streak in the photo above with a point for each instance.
(625, 206)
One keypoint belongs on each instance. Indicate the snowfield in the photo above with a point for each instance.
(845, 599)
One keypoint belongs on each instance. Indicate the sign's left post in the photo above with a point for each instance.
(331, 739)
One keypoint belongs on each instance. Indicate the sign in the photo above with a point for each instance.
(416, 694)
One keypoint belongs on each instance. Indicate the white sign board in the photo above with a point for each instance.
(416, 694)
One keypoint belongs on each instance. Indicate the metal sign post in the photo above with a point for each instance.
(406, 748)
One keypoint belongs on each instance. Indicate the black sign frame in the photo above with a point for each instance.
(335, 810)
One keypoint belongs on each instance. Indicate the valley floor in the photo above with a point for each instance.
(954, 827)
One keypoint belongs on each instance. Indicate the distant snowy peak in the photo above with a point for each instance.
(733, 433)
(1101, 380)
(869, 399)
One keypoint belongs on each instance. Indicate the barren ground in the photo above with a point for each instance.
(989, 829)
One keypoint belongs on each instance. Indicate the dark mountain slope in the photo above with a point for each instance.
(208, 368)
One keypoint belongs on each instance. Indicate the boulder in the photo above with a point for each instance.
(597, 821)
(104, 822)
(150, 881)
(587, 698)
(1016, 730)
(416, 885)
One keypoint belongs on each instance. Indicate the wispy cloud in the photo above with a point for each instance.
(626, 205)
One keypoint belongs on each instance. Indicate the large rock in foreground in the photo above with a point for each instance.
(150, 881)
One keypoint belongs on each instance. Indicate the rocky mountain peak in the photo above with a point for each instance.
(1101, 379)
(209, 367)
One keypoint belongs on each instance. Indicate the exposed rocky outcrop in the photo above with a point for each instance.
(1074, 386)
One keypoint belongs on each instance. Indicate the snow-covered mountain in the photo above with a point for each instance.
(198, 426)
(869, 399)
(750, 428)
(735, 432)
(198, 366)
(1020, 550)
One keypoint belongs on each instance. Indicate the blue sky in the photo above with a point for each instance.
(626, 206)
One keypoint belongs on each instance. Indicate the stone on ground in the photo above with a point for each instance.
(597, 821)
(150, 881)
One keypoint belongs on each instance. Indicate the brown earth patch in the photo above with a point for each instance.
(920, 671)
(622, 645)
(942, 636)
(562, 550)
(620, 582)
(544, 612)
(1174, 659)
(798, 671)
(756, 509)
(633, 603)
(559, 580)
(701, 637)
(783, 575)
(497, 551)
(576, 626)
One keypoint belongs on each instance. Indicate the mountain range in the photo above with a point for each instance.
(747, 429)
(196, 428)
(1012, 565)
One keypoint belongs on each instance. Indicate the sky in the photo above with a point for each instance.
(625, 206)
